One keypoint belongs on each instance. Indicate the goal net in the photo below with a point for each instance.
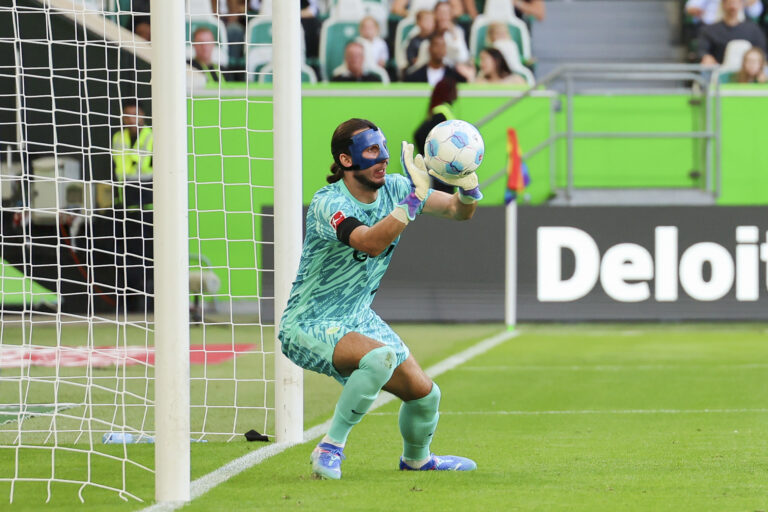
(77, 281)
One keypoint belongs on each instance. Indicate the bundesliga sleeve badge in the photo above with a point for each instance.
(337, 219)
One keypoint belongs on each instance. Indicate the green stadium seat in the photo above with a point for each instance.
(258, 43)
(334, 37)
(355, 10)
(123, 10)
(517, 29)
(307, 74)
(404, 28)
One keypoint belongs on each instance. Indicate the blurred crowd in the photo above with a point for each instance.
(481, 41)
(478, 41)
(730, 34)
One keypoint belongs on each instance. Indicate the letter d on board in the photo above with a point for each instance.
(551, 287)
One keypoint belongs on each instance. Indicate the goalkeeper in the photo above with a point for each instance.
(352, 227)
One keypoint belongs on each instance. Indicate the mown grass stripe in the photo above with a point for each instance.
(207, 482)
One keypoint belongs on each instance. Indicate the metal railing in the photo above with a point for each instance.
(695, 79)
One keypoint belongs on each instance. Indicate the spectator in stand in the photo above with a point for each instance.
(710, 11)
(497, 36)
(456, 45)
(497, 31)
(436, 69)
(425, 20)
(752, 68)
(139, 21)
(714, 38)
(354, 69)
(311, 26)
(495, 70)
(235, 20)
(402, 7)
(524, 9)
(203, 44)
(440, 109)
(143, 29)
(376, 51)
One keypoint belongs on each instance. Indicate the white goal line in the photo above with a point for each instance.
(590, 411)
(205, 483)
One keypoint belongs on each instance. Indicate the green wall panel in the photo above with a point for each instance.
(231, 169)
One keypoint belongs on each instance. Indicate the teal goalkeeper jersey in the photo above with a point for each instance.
(335, 281)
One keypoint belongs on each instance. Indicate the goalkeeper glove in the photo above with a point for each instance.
(416, 171)
(469, 189)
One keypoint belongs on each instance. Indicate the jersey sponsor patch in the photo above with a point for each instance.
(337, 219)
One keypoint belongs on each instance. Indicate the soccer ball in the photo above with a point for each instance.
(454, 149)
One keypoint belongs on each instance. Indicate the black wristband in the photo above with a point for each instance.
(345, 228)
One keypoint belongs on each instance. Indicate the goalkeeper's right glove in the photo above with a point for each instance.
(469, 189)
(416, 171)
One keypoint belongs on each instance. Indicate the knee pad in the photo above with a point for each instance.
(380, 363)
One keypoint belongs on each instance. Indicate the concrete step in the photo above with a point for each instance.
(608, 31)
(596, 52)
(653, 36)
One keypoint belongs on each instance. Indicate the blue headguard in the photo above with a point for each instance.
(362, 141)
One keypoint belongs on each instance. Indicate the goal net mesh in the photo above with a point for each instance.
(76, 269)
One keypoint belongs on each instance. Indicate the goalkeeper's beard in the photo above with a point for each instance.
(366, 182)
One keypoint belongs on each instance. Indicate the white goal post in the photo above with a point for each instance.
(156, 321)
(169, 109)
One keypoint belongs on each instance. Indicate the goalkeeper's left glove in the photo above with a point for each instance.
(416, 171)
(469, 188)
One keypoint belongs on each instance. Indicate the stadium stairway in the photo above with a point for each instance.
(608, 31)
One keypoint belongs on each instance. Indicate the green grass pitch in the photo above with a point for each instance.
(574, 417)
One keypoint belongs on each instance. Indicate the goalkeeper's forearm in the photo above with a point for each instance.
(376, 239)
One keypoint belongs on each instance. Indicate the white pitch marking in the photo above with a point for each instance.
(611, 367)
(588, 411)
(205, 483)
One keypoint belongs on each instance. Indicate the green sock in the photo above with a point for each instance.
(362, 388)
(418, 420)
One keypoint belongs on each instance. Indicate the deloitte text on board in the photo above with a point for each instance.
(706, 271)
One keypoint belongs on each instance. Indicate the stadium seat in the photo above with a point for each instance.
(221, 53)
(197, 8)
(517, 29)
(107, 7)
(334, 37)
(124, 12)
(421, 5)
(355, 10)
(501, 9)
(511, 54)
(402, 37)
(734, 55)
(307, 74)
(258, 43)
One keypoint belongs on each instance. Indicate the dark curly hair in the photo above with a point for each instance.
(342, 138)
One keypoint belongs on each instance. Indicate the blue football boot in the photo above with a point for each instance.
(442, 463)
(326, 461)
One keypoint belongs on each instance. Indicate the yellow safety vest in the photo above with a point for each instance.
(132, 159)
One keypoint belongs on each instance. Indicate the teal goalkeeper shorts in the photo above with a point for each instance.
(310, 344)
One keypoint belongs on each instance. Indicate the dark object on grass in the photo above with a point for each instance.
(252, 435)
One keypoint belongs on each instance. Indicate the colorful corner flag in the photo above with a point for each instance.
(517, 172)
